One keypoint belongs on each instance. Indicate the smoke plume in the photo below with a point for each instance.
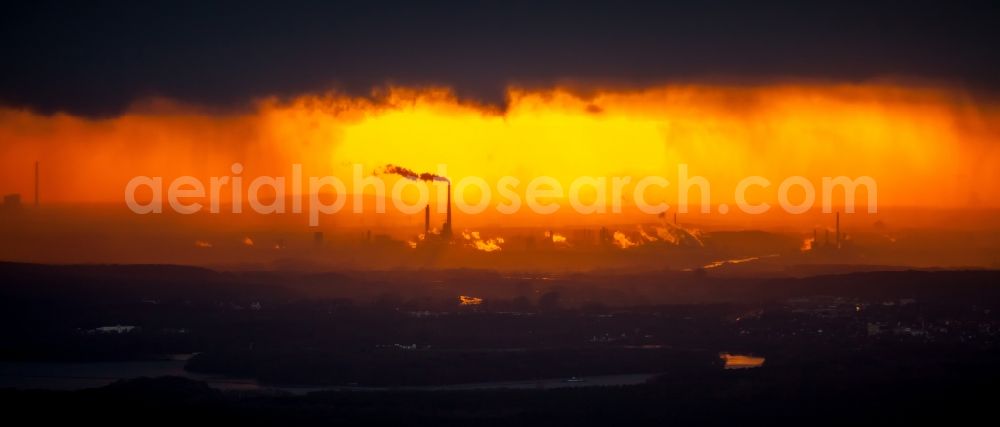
(410, 174)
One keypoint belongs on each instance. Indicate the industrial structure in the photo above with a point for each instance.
(836, 244)
(446, 229)
(13, 203)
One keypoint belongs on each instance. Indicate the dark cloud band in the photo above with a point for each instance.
(96, 60)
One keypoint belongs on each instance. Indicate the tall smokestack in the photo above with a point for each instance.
(36, 183)
(447, 224)
(427, 220)
(838, 230)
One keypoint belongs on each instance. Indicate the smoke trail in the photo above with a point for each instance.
(411, 175)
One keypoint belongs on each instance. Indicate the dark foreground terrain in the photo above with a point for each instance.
(371, 347)
(854, 392)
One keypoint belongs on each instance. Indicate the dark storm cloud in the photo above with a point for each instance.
(96, 60)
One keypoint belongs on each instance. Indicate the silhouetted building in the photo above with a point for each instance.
(11, 203)
(446, 231)
(604, 236)
(838, 230)
(584, 237)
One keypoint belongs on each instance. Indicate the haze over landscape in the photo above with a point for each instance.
(444, 212)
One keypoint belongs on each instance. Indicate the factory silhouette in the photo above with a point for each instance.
(12, 203)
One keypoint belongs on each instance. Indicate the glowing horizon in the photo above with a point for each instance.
(924, 146)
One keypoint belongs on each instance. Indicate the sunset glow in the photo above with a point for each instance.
(914, 141)
(500, 213)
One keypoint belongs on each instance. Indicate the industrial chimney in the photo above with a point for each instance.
(838, 230)
(447, 224)
(427, 220)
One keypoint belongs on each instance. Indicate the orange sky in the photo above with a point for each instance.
(924, 146)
